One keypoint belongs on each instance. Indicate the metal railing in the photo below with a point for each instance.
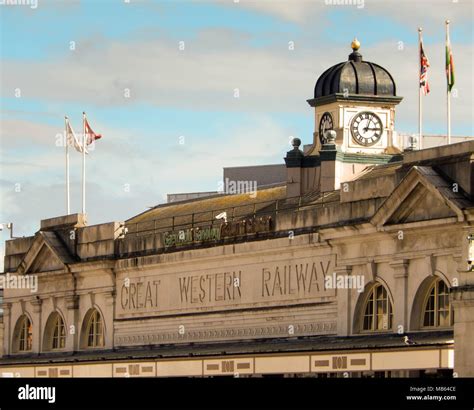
(234, 214)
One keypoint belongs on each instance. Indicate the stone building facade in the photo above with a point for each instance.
(358, 266)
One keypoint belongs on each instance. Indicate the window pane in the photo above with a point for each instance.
(429, 319)
(95, 331)
(378, 311)
(437, 308)
(62, 335)
(29, 343)
(59, 333)
(443, 318)
(367, 322)
(26, 335)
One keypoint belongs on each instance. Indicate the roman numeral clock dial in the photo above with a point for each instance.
(366, 128)
(325, 124)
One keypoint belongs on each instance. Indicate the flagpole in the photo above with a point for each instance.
(68, 204)
(420, 111)
(448, 96)
(83, 162)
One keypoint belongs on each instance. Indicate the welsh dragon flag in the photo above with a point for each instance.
(449, 64)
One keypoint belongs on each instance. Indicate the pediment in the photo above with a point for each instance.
(420, 205)
(45, 261)
(421, 196)
(45, 254)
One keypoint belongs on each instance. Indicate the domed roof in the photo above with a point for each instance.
(356, 76)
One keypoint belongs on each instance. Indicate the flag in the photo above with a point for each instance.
(71, 138)
(424, 64)
(91, 136)
(449, 64)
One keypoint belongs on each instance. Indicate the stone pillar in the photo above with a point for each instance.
(328, 154)
(293, 161)
(344, 303)
(2, 327)
(37, 325)
(73, 327)
(400, 294)
(462, 299)
(7, 330)
(109, 310)
(293, 182)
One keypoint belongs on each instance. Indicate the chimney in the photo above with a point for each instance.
(329, 180)
(294, 161)
(303, 171)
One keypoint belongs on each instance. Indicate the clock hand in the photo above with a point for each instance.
(367, 128)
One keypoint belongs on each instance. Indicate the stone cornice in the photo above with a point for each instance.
(400, 267)
(356, 99)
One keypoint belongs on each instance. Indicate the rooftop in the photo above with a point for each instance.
(231, 348)
(374, 196)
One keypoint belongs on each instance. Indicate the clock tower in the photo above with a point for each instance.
(357, 100)
(354, 111)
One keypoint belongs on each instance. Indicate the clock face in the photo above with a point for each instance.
(366, 128)
(325, 124)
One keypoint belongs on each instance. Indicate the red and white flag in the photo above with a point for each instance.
(91, 136)
(71, 138)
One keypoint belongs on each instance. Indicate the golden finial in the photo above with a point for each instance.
(355, 45)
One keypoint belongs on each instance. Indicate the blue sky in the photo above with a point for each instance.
(174, 93)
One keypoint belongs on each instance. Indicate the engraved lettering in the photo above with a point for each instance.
(148, 297)
(184, 288)
(265, 279)
(124, 293)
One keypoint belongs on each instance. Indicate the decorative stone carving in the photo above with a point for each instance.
(36, 303)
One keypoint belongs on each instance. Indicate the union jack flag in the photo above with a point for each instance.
(424, 64)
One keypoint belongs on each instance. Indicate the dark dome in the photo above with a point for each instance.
(357, 76)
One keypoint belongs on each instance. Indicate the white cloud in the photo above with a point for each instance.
(204, 77)
(15, 133)
(425, 12)
(406, 12)
(123, 180)
(295, 11)
(200, 77)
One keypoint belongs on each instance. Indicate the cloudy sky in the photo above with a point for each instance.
(160, 80)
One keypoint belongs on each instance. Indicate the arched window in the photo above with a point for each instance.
(25, 334)
(95, 330)
(377, 310)
(437, 308)
(54, 333)
(59, 334)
